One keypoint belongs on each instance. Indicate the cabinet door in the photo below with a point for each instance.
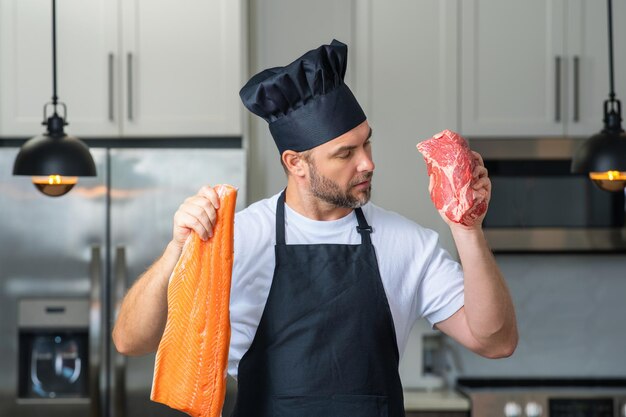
(413, 68)
(588, 63)
(181, 70)
(86, 35)
(511, 67)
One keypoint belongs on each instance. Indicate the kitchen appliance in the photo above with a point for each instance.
(66, 263)
(537, 205)
(53, 349)
(545, 397)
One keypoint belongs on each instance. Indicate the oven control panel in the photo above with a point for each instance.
(552, 403)
(563, 407)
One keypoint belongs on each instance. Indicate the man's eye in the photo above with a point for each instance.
(345, 155)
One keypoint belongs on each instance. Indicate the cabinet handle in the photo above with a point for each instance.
(111, 116)
(130, 85)
(576, 88)
(557, 89)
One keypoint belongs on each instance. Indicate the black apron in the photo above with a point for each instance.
(326, 343)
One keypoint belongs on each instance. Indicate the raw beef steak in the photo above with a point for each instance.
(450, 165)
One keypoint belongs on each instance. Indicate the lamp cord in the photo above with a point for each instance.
(54, 57)
(611, 80)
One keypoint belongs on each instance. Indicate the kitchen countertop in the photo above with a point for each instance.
(435, 400)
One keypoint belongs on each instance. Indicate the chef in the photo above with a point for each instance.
(326, 285)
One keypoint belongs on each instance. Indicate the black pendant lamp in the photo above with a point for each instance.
(53, 159)
(603, 156)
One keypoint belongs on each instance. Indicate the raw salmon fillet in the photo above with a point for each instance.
(450, 165)
(190, 367)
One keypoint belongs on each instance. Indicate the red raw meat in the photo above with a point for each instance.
(450, 165)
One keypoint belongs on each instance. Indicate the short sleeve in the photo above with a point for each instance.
(440, 291)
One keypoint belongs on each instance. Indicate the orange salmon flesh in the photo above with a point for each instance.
(191, 360)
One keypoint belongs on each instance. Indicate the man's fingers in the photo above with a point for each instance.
(483, 182)
(479, 171)
(210, 193)
(479, 158)
(184, 220)
(201, 208)
(481, 194)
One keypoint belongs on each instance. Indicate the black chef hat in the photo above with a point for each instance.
(306, 103)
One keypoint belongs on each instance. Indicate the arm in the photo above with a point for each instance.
(486, 324)
(143, 313)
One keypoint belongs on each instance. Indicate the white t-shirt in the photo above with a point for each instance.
(420, 278)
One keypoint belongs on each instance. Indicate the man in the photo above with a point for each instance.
(327, 286)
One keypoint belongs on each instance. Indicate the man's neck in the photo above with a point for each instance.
(303, 202)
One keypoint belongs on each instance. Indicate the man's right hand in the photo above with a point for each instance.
(197, 213)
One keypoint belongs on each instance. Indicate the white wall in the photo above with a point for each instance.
(570, 312)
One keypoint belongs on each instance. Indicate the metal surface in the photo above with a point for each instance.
(95, 332)
(147, 186)
(111, 88)
(68, 320)
(517, 238)
(493, 402)
(576, 88)
(119, 361)
(526, 148)
(129, 98)
(557, 89)
(46, 254)
(61, 249)
(53, 313)
(556, 239)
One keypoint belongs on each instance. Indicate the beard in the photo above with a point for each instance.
(330, 192)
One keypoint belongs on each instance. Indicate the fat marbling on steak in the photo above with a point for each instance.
(450, 164)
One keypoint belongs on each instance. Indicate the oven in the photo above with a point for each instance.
(537, 205)
(545, 397)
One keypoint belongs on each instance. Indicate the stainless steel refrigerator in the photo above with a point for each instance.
(66, 262)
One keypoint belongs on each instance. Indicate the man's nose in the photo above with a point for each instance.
(367, 163)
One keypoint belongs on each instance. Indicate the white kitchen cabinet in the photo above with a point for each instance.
(125, 68)
(409, 69)
(537, 67)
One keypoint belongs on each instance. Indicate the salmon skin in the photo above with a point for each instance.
(191, 360)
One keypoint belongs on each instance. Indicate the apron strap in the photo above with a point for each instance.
(280, 219)
(363, 228)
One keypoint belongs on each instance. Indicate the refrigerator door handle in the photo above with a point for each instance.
(119, 360)
(95, 330)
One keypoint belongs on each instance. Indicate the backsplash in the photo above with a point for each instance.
(571, 312)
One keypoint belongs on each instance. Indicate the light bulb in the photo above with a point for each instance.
(54, 185)
(609, 180)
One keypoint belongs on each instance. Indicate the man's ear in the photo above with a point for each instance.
(294, 163)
